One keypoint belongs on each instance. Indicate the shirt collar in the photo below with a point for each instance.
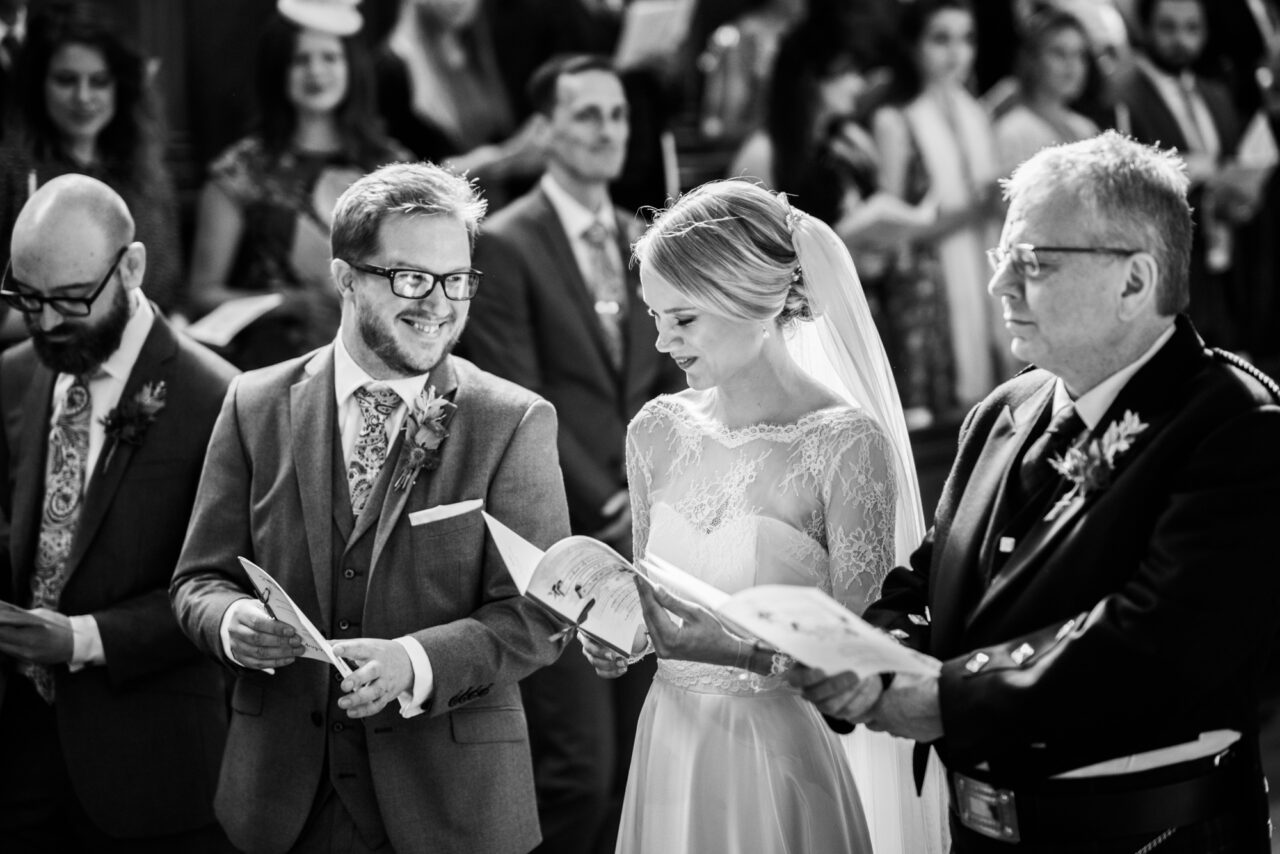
(574, 216)
(1095, 402)
(1174, 82)
(348, 377)
(120, 363)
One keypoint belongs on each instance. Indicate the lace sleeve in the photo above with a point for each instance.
(860, 497)
(639, 479)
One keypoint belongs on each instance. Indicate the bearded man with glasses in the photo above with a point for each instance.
(355, 476)
(98, 489)
(1098, 581)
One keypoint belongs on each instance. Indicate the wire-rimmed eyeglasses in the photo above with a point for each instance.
(1025, 262)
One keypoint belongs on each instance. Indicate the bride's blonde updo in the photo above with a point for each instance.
(726, 245)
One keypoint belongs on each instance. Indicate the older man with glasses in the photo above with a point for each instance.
(1099, 582)
(355, 475)
(107, 412)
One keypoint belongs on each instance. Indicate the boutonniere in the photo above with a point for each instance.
(129, 421)
(1090, 467)
(425, 429)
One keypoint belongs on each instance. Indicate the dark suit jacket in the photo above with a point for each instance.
(457, 778)
(1152, 122)
(1147, 609)
(142, 736)
(534, 322)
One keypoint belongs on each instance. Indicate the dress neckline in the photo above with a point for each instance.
(764, 430)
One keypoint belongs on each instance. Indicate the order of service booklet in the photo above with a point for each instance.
(585, 583)
(280, 607)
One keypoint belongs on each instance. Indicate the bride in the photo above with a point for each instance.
(785, 462)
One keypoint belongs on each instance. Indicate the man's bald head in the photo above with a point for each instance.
(67, 211)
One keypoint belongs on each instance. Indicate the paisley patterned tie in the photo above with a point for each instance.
(64, 476)
(376, 405)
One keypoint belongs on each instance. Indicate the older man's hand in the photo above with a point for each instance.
(843, 696)
(909, 709)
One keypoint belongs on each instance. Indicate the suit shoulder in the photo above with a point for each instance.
(514, 217)
(272, 381)
(492, 391)
(1242, 380)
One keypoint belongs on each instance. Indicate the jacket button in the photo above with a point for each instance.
(344, 625)
(348, 573)
(339, 726)
(317, 718)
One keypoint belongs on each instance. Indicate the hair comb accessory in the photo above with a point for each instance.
(793, 215)
(335, 17)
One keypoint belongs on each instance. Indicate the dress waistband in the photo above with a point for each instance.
(715, 679)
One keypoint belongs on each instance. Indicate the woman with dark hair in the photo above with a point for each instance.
(1054, 69)
(263, 221)
(937, 153)
(85, 104)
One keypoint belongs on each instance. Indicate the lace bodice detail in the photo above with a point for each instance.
(810, 502)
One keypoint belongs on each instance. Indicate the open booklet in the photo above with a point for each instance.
(585, 583)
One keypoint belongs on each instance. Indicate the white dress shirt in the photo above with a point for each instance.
(1092, 406)
(105, 387)
(575, 219)
(348, 377)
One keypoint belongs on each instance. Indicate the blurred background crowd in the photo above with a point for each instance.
(230, 129)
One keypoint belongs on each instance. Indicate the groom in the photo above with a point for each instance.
(1101, 630)
(372, 531)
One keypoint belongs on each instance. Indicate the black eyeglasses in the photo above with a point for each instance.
(1027, 264)
(460, 285)
(30, 302)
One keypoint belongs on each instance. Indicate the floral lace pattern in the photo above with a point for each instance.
(810, 502)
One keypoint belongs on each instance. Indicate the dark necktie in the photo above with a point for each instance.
(1035, 472)
(64, 477)
(608, 286)
(376, 405)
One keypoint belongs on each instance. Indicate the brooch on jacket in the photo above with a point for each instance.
(425, 429)
(1091, 467)
(128, 422)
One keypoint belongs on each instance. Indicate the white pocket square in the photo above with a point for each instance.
(444, 511)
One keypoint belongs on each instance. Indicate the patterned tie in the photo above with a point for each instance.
(1062, 431)
(376, 405)
(64, 476)
(608, 285)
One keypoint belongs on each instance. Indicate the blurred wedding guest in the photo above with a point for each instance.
(560, 315)
(1169, 102)
(937, 150)
(111, 722)
(262, 225)
(85, 103)
(13, 29)
(1053, 70)
(810, 146)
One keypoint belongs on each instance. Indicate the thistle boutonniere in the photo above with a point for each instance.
(425, 429)
(128, 422)
(1091, 467)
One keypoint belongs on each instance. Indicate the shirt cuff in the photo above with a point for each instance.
(224, 631)
(86, 643)
(423, 678)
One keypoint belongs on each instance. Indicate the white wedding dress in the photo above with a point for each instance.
(726, 760)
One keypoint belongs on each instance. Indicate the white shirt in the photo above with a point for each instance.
(1177, 93)
(576, 219)
(1092, 406)
(348, 377)
(104, 392)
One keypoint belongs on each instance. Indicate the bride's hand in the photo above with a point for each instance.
(698, 636)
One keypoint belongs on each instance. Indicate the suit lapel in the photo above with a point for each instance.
(1147, 394)
(312, 412)
(393, 501)
(112, 463)
(973, 521)
(551, 231)
(28, 493)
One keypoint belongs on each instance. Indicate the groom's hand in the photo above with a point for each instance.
(383, 672)
(843, 696)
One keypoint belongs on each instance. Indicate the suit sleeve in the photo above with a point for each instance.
(1191, 626)
(508, 636)
(209, 578)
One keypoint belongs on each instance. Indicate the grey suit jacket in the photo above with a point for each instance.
(457, 778)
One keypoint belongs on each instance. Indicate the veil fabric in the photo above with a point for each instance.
(842, 349)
